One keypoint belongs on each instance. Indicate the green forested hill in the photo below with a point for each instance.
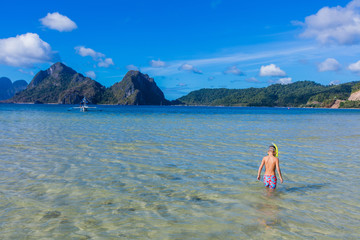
(63, 85)
(298, 94)
(135, 89)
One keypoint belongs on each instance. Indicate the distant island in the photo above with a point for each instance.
(62, 85)
(298, 94)
(8, 88)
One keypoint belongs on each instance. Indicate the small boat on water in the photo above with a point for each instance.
(83, 105)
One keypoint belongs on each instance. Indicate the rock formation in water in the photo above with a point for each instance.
(63, 85)
(8, 88)
(136, 89)
(19, 85)
(60, 84)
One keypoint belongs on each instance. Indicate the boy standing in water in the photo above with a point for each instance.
(271, 162)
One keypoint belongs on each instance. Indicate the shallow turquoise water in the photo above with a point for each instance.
(177, 173)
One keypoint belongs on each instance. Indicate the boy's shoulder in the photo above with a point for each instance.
(268, 157)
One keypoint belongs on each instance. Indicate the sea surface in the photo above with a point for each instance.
(134, 172)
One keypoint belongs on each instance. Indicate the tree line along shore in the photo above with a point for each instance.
(61, 84)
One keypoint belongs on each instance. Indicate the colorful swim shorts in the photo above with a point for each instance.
(270, 181)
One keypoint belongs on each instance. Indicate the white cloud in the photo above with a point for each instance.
(84, 52)
(335, 82)
(97, 56)
(187, 67)
(258, 54)
(355, 67)
(58, 22)
(132, 67)
(190, 68)
(252, 79)
(105, 62)
(261, 56)
(91, 74)
(338, 24)
(24, 50)
(157, 63)
(271, 70)
(329, 64)
(285, 81)
(233, 70)
(26, 72)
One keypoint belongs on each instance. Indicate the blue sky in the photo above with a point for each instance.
(185, 45)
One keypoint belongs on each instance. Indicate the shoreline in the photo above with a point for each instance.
(216, 106)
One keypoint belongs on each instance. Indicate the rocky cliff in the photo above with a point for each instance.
(19, 85)
(8, 88)
(355, 96)
(63, 85)
(60, 84)
(136, 89)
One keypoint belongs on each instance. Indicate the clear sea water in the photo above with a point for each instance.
(137, 172)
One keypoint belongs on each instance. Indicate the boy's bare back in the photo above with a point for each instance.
(270, 164)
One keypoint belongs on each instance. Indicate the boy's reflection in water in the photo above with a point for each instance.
(269, 210)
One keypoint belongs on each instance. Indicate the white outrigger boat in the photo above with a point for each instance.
(83, 105)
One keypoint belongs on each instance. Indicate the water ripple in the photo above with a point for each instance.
(176, 173)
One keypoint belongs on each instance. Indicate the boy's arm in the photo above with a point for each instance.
(260, 168)
(278, 169)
